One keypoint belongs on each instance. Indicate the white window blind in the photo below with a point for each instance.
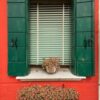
(50, 32)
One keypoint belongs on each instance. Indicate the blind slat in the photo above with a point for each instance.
(50, 33)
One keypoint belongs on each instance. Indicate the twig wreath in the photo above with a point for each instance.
(51, 65)
(47, 93)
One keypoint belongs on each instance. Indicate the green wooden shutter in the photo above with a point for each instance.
(17, 29)
(83, 61)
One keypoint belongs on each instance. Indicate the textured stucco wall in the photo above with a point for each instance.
(9, 86)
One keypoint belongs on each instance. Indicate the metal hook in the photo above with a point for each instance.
(14, 43)
(85, 43)
(90, 42)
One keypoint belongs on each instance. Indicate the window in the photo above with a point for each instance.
(38, 30)
(50, 32)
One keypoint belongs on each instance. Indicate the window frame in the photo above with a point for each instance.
(20, 69)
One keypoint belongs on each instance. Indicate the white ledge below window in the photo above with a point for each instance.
(36, 74)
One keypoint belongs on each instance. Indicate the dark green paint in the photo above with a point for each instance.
(84, 24)
(83, 53)
(81, 36)
(17, 54)
(16, 0)
(16, 25)
(85, 69)
(85, 9)
(17, 28)
(17, 69)
(16, 10)
(20, 37)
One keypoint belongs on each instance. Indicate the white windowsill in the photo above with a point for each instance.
(36, 74)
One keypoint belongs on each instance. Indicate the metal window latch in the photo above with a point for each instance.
(14, 43)
(85, 43)
(88, 42)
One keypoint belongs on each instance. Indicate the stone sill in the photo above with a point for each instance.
(36, 74)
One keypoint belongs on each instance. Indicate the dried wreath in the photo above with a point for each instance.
(47, 93)
(51, 65)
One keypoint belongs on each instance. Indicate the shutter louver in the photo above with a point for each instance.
(50, 32)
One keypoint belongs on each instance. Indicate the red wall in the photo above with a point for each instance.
(9, 86)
